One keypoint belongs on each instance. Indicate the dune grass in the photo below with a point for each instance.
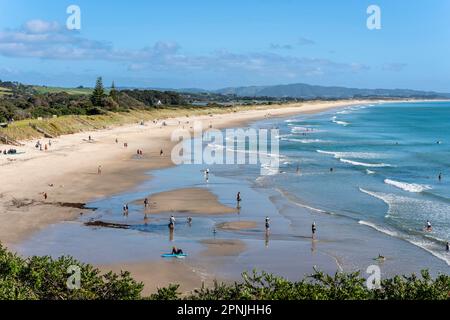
(29, 128)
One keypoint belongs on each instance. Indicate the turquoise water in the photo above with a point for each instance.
(386, 160)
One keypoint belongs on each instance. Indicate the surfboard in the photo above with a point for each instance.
(171, 255)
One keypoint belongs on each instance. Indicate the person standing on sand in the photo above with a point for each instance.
(99, 170)
(161, 152)
(267, 220)
(172, 222)
(145, 203)
(313, 230)
(45, 195)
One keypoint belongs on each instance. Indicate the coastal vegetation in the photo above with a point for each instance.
(37, 278)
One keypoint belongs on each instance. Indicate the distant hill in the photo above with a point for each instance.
(306, 91)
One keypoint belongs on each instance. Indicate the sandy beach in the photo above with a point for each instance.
(47, 187)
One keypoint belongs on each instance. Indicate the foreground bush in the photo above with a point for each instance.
(45, 278)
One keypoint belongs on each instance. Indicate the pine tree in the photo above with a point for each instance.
(113, 93)
(98, 94)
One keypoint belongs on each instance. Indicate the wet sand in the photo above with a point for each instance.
(237, 225)
(193, 201)
(223, 248)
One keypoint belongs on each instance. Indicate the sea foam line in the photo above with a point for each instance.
(364, 164)
(410, 187)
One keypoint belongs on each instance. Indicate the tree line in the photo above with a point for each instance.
(24, 102)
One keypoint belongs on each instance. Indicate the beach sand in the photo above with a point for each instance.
(237, 225)
(191, 200)
(67, 173)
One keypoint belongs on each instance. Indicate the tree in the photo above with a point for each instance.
(98, 94)
(113, 93)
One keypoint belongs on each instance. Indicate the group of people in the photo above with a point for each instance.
(9, 151)
(41, 147)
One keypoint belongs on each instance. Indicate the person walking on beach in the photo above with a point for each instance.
(99, 170)
(189, 220)
(145, 203)
(45, 195)
(161, 152)
(313, 230)
(267, 220)
(238, 197)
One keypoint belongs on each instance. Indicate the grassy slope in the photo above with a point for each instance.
(74, 91)
(23, 130)
(4, 91)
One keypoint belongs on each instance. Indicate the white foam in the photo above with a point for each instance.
(378, 228)
(370, 171)
(342, 123)
(304, 141)
(364, 164)
(358, 155)
(410, 187)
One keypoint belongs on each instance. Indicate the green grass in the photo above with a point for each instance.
(23, 129)
(5, 91)
(72, 91)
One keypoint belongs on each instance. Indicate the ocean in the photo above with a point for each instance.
(385, 160)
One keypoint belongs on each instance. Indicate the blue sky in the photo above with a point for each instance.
(217, 43)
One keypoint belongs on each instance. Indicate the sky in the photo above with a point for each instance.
(214, 44)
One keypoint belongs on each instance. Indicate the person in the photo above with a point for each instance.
(45, 195)
(176, 251)
(117, 141)
(429, 227)
(161, 152)
(99, 170)
(145, 203)
(313, 229)
(331, 169)
(267, 223)
(380, 257)
(189, 220)
(447, 247)
(298, 169)
(238, 197)
(440, 176)
(90, 138)
(172, 222)
(49, 143)
(125, 209)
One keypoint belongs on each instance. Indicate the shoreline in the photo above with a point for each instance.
(129, 171)
(67, 172)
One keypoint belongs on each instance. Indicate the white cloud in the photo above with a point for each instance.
(48, 40)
